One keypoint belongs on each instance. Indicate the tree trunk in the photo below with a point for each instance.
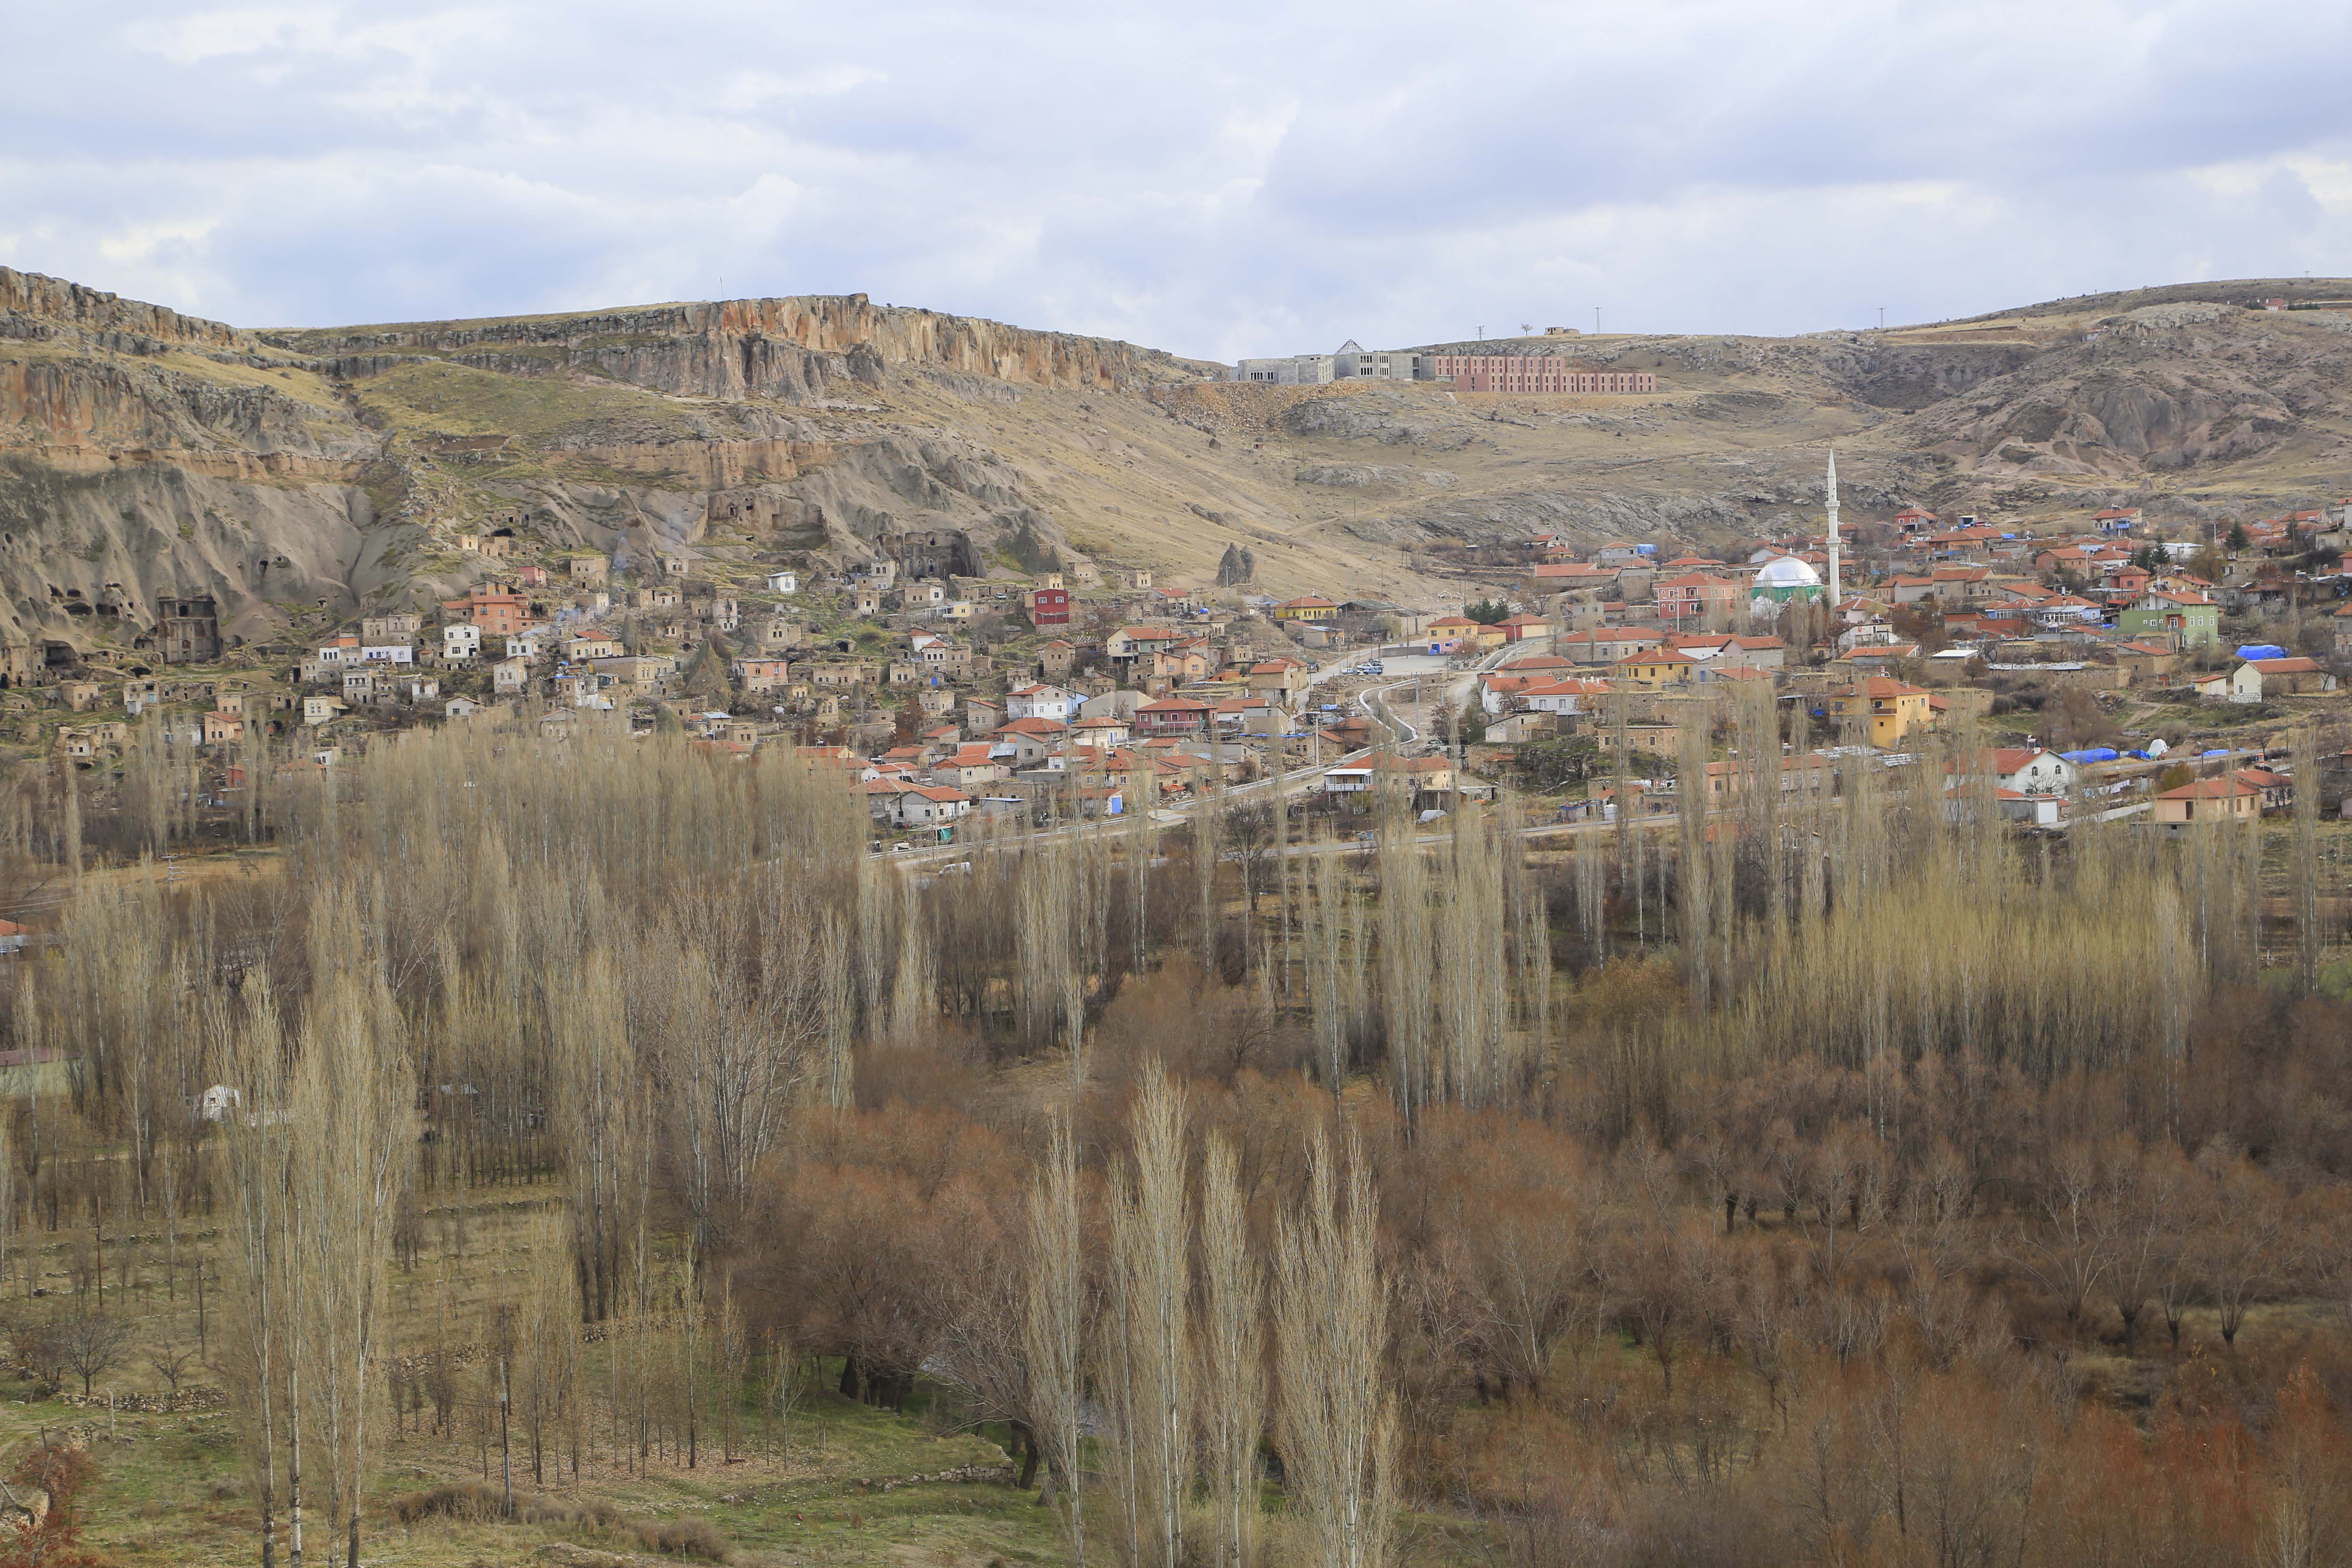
(1026, 1445)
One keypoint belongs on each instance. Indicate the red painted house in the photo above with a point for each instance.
(1172, 716)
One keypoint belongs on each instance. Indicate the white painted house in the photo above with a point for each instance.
(1040, 702)
(2031, 770)
(924, 805)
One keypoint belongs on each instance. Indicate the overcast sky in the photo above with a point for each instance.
(1215, 178)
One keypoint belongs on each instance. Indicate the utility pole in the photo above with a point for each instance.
(1596, 320)
(1882, 318)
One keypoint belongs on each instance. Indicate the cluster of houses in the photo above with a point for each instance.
(879, 673)
(1881, 646)
(955, 691)
(1944, 599)
(947, 694)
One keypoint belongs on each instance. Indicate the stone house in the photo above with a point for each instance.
(760, 674)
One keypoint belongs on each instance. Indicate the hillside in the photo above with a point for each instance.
(316, 473)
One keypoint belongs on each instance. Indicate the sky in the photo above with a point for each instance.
(1218, 179)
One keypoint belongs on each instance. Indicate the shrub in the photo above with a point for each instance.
(467, 1501)
(471, 1502)
(685, 1538)
(62, 1473)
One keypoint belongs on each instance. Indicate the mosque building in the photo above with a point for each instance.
(1788, 580)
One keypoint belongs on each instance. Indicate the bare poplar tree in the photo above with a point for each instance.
(1696, 913)
(1232, 1366)
(1408, 962)
(1044, 938)
(1530, 924)
(1138, 801)
(1208, 810)
(595, 1097)
(1147, 1354)
(354, 1131)
(877, 895)
(547, 1362)
(1330, 997)
(257, 1346)
(914, 991)
(839, 1004)
(1054, 1329)
(1474, 990)
(1338, 1422)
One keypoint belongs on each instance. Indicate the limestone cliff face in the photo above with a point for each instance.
(796, 349)
(34, 297)
(145, 454)
(78, 406)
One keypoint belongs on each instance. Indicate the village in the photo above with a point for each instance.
(2105, 666)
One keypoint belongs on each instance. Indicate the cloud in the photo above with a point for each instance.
(1225, 179)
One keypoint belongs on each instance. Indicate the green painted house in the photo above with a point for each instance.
(2184, 620)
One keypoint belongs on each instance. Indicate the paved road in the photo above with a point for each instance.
(1454, 685)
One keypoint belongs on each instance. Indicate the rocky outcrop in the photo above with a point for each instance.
(1237, 565)
(710, 465)
(900, 482)
(2159, 390)
(32, 296)
(796, 349)
(1352, 476)
(106, 404)
(138, 531)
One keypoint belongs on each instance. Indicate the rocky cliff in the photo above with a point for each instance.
(45, 307)
(300, 477)
(795, 350)
(297, 477)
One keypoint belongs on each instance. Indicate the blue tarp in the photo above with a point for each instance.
(2261, 650)
(2094, 754)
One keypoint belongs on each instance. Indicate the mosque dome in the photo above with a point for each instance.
(1787, 572)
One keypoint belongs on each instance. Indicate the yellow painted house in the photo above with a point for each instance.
(2231, 799)
(1658, 666)
(1307, 608)
(1892, 709)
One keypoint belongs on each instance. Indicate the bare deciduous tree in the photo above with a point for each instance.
(1144, 1365)
(1338, 1421)
(1232, 1378)
(1054, 1329)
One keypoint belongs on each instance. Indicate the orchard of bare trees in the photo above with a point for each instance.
(1801, 1175)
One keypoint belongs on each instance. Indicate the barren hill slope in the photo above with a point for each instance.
(312, 473)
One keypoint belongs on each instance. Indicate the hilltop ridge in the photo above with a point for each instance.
(301, 471)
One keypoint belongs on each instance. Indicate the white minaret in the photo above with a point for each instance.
(1831, 489)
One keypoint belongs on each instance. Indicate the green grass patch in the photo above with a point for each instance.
(461, 401)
